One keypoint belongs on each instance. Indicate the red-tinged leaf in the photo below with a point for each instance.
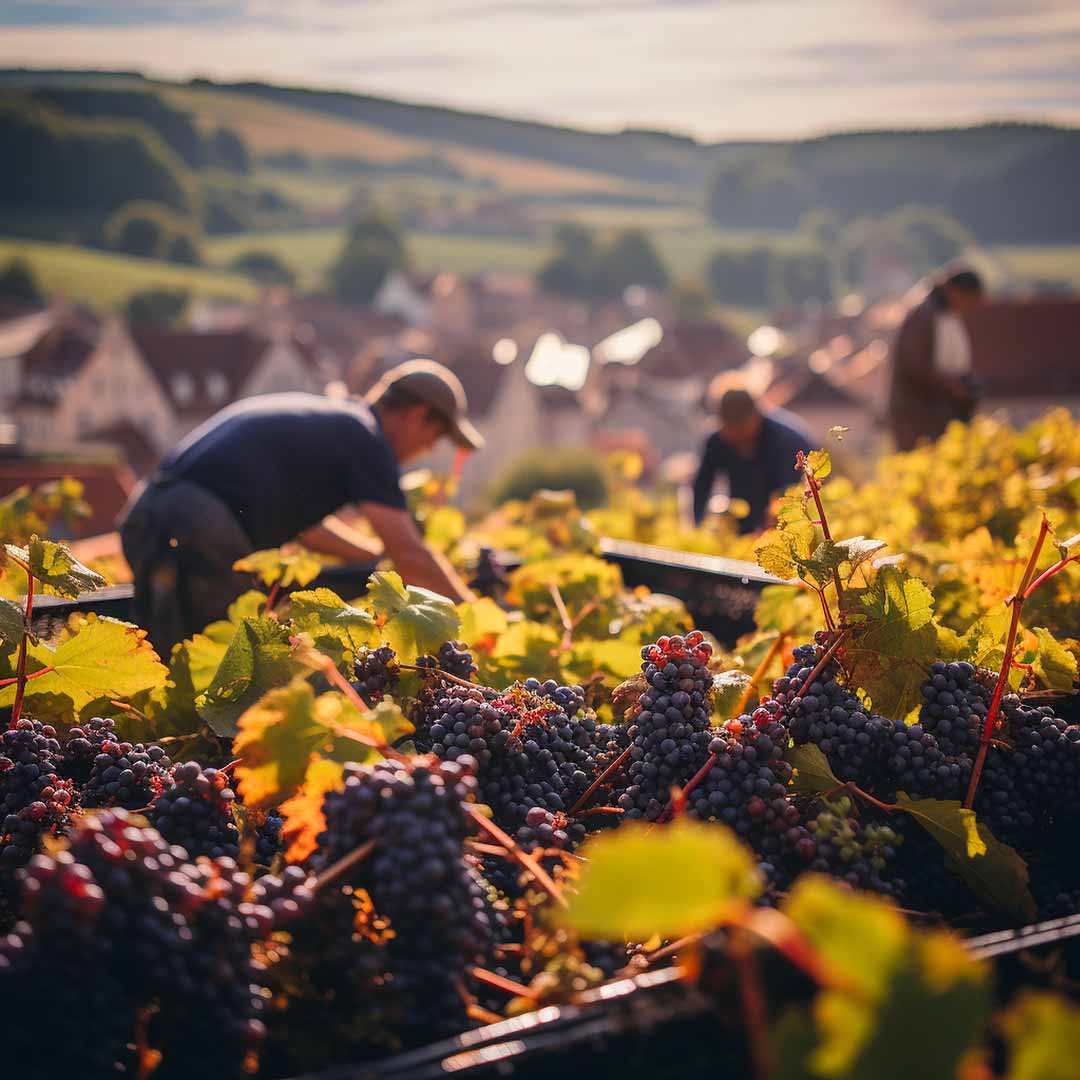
(303, 813)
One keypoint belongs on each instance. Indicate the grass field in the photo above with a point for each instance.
(104, 281)
(685, 247)
(271, 128)
(1041, 263)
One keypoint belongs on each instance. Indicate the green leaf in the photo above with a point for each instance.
(728, 689)
(275, 741)
(273, 567)
(813, 774)
(899, 981)
(95, 658)
(670, 881)
(257, 660)
(1043, 1034)
(55, 567)
(418, 621)
(893, 640)
(444, 527)
(481, 618)
(1054, 665)
(820, 463)
(993, 870)
(615, 657)
(333, 624)
(12, 622)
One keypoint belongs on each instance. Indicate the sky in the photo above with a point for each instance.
(716, 69)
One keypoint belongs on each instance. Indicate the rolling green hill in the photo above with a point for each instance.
(104, 281)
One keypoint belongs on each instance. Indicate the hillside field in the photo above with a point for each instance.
(104, 281)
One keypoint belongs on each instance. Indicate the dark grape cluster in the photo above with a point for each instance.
(122, 911)
(955, 705)
(455, 658)
(124, 774)
(529, 751)
(826, 714)
(196, 812)
(375, 671)
(671, 731)
(418, 880)
(859, 851)
(34, 799)
(268, 839)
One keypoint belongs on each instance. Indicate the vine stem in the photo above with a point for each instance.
(752, 999)
(599, 781)
(1049, 573)
(814, 486)
(826, 656)
(443, 674)
(346, 862)
(500, 982)
(542, 877)
(759, 672)
(1016, 602)
(33, 675)
(20, 669)
(272, 596)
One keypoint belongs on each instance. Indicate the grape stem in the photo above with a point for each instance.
(752, 999)
(543, 879)
(826, 656)
(33, 675)
(20, 669)
(600, 780)
(762, 668)
(346, 862)
(1016, 602)
(443, 674)
(272, 596)
(814, 487)
(500, 982)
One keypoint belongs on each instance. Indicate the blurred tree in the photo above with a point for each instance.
(629, 259)
(229, 151)
(182, 249)
(265, 268)
(152, 231)
(691, 299)
(157, 308)
(17, 282)
(374, 246)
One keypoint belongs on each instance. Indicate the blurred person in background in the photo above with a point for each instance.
(275, 469)
(932, 377)
(756, 452)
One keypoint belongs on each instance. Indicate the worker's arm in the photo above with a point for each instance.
(412, 558)
(913, 355)
(703, 482)
(333, 537)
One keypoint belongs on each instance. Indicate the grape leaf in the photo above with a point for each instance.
(728, 689)
(669, 881)
(830, 556)
(418, 621)
(893, 640)
(898, 980)
(1043, 1034)
(481, 618)
(275, 741)
(615, 657)
(12, 622)
(819, 463)
(56, 568)
(96, 658)
(1054, 665)
(993, 870)
(274, 567)
(444, 527)
(793, 541)
(303, 813)
(624, 698)
(335, 626)
(813, 774)
(258, 659)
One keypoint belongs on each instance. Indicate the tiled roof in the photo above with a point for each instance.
(57, 356)
(691, 349)
(1027, 348)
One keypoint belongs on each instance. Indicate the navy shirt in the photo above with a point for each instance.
(755, 477)
(282, 462)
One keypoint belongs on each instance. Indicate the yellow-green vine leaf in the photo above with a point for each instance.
(813, 774)
(670, 881)
(1054, 665)
(993, 870)
(59, 571)
(273, 567)
(1042, 1031)
(417, 621)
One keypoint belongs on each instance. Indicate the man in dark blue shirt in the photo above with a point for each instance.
(274, 469)
(757, 453)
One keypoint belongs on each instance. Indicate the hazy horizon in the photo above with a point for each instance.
(715, 69)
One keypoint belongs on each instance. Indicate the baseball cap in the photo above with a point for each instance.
(438, 388)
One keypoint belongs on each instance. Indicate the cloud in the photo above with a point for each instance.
(720, 68)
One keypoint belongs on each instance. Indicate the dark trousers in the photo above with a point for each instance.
(181, 542)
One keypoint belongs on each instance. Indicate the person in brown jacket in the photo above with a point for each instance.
(932, 379)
